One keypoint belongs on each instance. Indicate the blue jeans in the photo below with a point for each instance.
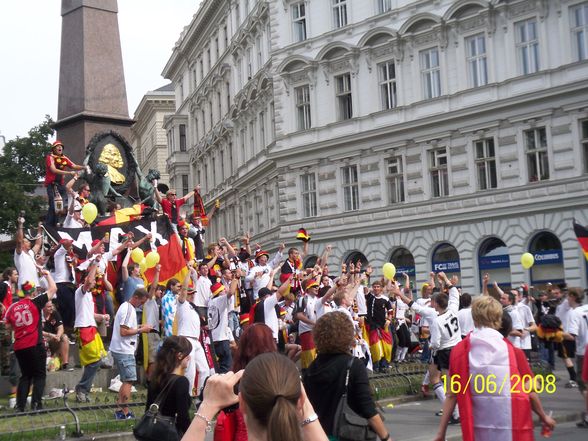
(51, 218)
(88, 375)
(426, 354)
(546, 350)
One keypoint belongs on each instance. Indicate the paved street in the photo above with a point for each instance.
(416, 421)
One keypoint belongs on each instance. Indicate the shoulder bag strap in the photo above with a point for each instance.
(347, 373)
(164, 392)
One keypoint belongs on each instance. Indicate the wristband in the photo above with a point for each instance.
(385, 439)
(311, 419)
(449, 287)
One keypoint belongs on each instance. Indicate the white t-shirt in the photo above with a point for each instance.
(269, 314)
(360, 299)
(466, 322)
(345, 311)
(321, 308)
(106, 257)
(84, 309)
(563, 311)
(188, 320)
(578, 326)
(218, 316)
(425, 320)
(527, 319)
(70, 222)
(401, 309)
(62, 271)
(309, 312)
(125, 316)
(151, 311)
(27, 270)
(517, 324)
(203, 293)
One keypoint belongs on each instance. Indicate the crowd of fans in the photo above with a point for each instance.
(236, 301)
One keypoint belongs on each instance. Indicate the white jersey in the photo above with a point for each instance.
(466, 322)
(424, 321)
(445, 331)
(188, 320)
(517, 325)
(309, 312)
(84, 309)
(218, 316)
(578, 326)
(401, 309)
(360, 299)
(563, 311)
(526, 316)
(322, 308)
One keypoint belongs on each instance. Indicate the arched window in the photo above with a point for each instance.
(310, 261)
(446, 259)
(356, 256)
(547, 251)
(403, 260)
(494, 260)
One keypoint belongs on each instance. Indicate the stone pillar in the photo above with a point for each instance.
(92, 91)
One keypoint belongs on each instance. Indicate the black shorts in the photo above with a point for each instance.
(566, 349)
(441, 359)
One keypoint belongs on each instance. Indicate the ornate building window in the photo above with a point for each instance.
(476, 60)
(395, 178)
(387, 72)
(308, 193)
(182, 130)
(584, 143)
(439, 173)
(384, 6)
(339, 13)
(485, 163)
(537, 158)
(299, 21)
(579, 20)
(430, 73)
(303, 119)
(350, 187)
(527, 44)
(344, 100)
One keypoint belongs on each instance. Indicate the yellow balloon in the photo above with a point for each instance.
(389, 270)
(143, 265)
(152, 259)
(527, 260)
(89, 212)
(137, 255)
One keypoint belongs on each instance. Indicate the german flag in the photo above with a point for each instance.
(582, 235)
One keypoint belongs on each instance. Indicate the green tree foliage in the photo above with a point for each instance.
(22, 167)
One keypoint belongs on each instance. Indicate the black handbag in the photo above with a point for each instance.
(348, 425)
(155, 427)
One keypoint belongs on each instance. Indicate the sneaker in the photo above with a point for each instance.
(82, 397)
(453, 421)
(12, 402)
(571, 384)
(440, 413)
(583, 424)
(130, 415)
(120, 415)
(65, 367)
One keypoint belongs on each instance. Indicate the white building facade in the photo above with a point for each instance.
(439, 135)
(148, 136)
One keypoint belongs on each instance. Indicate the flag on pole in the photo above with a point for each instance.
(582, 235)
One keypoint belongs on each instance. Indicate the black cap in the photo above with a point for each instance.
(264, 292)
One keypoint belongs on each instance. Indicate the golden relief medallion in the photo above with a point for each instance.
(113, 159)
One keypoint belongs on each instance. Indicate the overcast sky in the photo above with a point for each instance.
(30, 35)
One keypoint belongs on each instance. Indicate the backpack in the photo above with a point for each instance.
(300, 306)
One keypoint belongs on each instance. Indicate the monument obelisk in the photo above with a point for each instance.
(92, 91)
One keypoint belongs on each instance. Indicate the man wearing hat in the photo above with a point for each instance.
(56, 165)
(218, 322)
(306, 317)
(27, 247)
(259, 275)
(24, 317)
(171, 204)
(188, 248)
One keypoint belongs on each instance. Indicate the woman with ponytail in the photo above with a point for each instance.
(271, 398)
(170, 364)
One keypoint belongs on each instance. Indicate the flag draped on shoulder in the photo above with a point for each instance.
(164, 241)
(582, 235)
